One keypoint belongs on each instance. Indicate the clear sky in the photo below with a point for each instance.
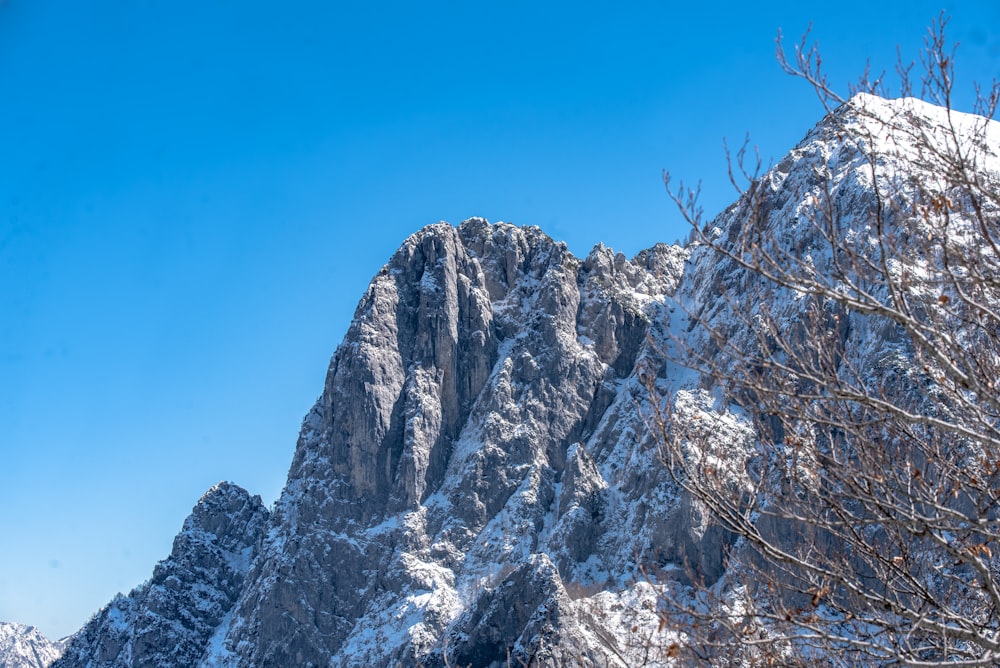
(194, 195)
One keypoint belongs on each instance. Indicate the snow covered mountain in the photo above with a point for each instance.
(23, 646)
(478, 483)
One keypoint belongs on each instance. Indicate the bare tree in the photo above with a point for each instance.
(852, 317)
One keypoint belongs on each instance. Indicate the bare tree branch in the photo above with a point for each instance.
(863, 347)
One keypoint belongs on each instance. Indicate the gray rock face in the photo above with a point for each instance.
(23, 646)
(169, 620)
(444, 469)
(530, 607)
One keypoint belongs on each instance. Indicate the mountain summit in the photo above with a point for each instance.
(478, 482)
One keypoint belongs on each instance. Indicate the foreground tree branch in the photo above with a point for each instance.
(853, 319)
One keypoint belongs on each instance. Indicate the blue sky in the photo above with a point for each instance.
(193, 196)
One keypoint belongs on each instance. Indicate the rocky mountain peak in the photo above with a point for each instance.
(222, 520)
(169, 620)
(23, 646)
(480, 358)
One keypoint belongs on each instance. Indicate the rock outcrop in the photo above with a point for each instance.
(171, 619)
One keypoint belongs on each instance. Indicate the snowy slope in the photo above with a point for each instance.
(868, 198)
(23, 646)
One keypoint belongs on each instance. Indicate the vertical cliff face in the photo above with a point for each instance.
(446, 460)
(170, 620)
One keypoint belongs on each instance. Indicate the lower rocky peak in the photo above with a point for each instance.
(169, 620)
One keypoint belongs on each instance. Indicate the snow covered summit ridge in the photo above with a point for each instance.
(23, 646)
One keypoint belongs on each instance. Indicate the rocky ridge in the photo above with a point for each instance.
(23, 646)
(170, 619)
